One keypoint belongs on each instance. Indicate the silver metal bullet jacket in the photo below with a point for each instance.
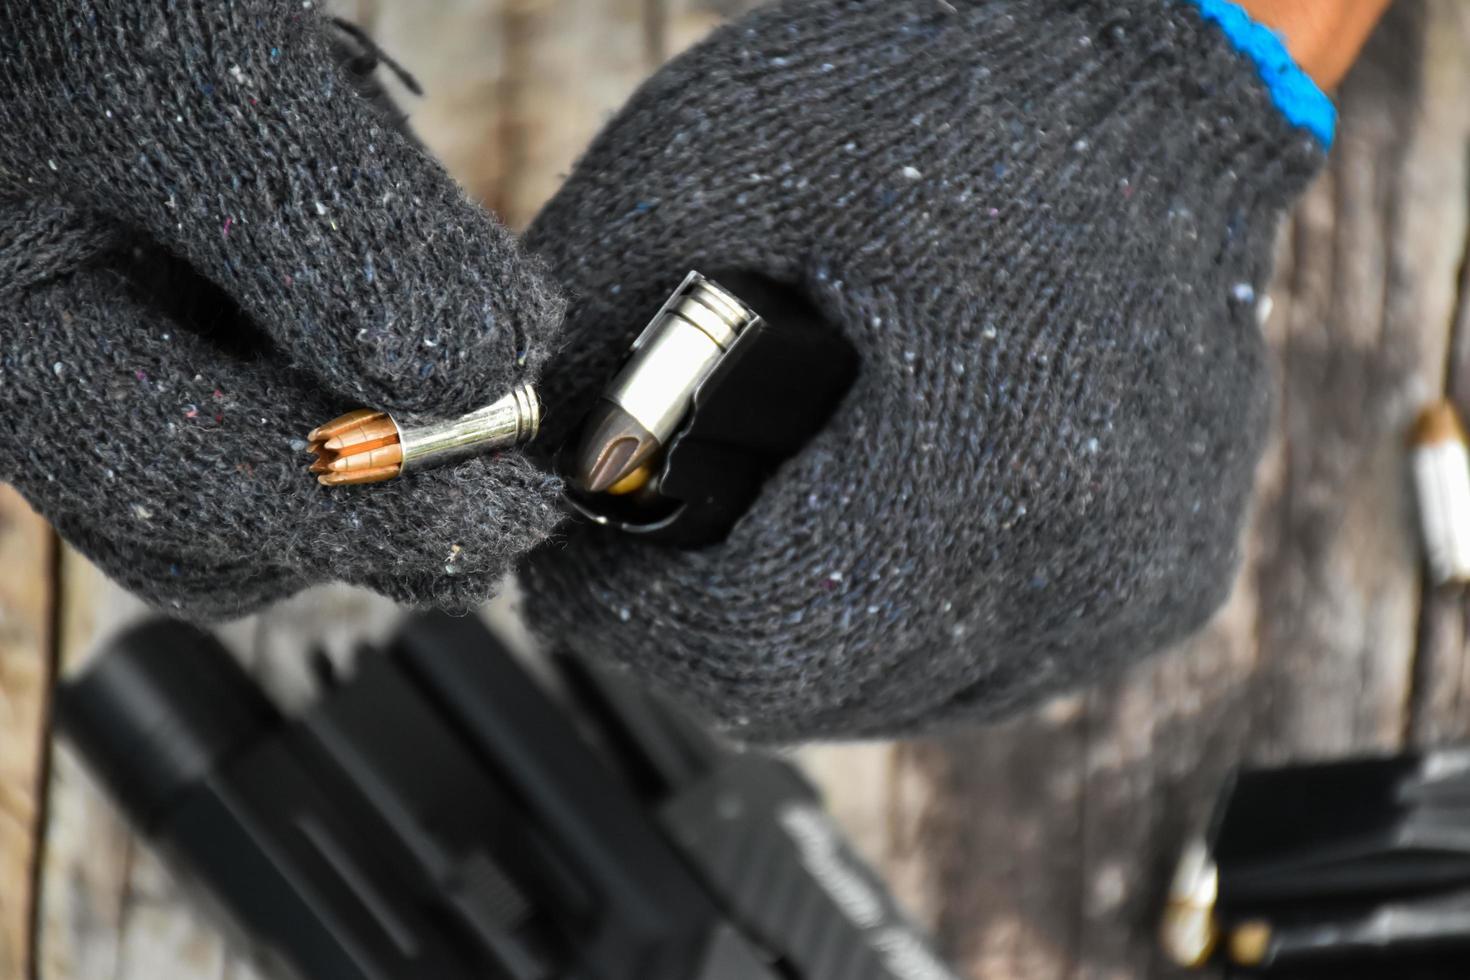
(510, 421)
(675, 352)
(1441, 465)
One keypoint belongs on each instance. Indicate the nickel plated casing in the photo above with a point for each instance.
(1441, 465)
(1189, 931)
(678, 348)
(510, 421)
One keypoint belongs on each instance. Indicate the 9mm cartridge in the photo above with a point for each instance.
(644, 405)
(727, 381)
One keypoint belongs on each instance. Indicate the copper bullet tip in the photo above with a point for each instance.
(614, 447)
(375, 475)
(359, 447)
(342, 423)
(368, 446)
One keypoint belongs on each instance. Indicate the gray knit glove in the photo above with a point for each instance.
(209, 244)
(1044, 226)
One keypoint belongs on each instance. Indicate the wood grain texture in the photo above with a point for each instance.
(108, 910)
(683, 22)
(455, 51)
(27, 554)
(570, 65)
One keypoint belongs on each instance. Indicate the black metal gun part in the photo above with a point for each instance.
(439, 815)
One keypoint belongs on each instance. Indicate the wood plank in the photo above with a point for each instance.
(1005, 872)
(456, 53)
(1159, 743)
(89, 853)
(27, 555)
(1338, 578)
(569, 65)
(681, 23)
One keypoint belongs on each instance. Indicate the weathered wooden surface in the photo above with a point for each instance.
(27, 557)
(1037, 848)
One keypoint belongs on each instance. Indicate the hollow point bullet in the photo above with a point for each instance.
(369, 446)
(1441, 465)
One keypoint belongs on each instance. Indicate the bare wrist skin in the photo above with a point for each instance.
(1324, 36)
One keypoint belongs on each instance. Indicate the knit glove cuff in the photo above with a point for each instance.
(1293, 92)
(1194, 86)
(1192, 94)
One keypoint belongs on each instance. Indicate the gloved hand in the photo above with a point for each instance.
(1044, 225)
(209, 244)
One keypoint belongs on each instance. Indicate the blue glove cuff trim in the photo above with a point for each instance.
(1297, 96)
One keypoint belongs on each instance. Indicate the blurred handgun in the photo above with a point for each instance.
(440, 815)
(1356, 868)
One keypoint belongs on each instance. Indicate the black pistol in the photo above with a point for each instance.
(441, 815)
